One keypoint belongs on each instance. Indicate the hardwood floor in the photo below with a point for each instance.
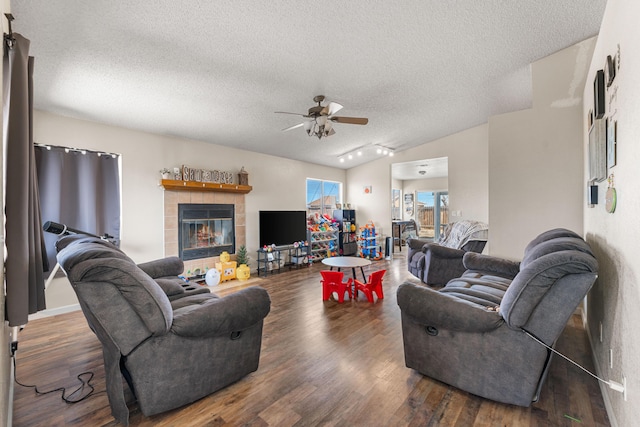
(322, 363)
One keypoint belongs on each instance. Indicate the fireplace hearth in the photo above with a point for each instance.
(205, 230)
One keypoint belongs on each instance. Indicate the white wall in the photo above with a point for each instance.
(467, 182)
(535, 156)
(277, 183)
(425, 185)
(615, 237)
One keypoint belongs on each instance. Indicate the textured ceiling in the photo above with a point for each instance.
(217, 71)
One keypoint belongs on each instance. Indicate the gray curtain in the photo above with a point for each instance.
(80, 189)
(24, 240)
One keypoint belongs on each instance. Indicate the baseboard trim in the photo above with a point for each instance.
(604, 390)
(54, 311)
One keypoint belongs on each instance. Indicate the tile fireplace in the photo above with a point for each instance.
(175, 197)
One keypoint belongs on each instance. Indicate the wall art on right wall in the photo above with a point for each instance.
(612, 130)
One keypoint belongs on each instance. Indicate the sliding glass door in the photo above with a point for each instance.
(432, 213)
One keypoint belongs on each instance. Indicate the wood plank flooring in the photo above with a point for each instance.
(322, 363)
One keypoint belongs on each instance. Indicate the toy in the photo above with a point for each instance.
(212, 278)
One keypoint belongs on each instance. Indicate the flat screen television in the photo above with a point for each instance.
(282, 227)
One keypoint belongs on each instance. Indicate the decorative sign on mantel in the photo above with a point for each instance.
(190, 179)
(202, 175)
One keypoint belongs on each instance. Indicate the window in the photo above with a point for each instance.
(322, 196)
(396, 213)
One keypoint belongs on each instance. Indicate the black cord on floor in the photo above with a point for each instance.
(83, 384)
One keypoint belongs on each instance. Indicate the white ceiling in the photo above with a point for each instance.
(217, 71)
(421, 169)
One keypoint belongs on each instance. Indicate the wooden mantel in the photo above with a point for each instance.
(170, 184)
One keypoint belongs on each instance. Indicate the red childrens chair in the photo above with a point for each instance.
(332, 282)
(373, 285)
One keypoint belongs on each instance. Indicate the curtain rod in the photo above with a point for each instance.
(76, 150)
(8, 38)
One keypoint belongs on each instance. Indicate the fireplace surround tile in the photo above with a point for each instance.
(171, 201)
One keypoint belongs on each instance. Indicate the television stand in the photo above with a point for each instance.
(282, 256)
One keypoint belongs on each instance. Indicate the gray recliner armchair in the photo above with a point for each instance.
(170, 351)
(474, 333)
(435, 263)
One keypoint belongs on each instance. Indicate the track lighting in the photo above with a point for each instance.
(360, 151)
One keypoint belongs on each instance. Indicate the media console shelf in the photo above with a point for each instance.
(282, 256)
(171, 184)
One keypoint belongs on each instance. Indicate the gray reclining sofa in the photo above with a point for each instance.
(435, 263)
(171, 349)
(471, 333)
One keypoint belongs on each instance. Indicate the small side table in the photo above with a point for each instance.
(351, 262)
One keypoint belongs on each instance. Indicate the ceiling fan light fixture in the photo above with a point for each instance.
(327, 128)
(321, 119)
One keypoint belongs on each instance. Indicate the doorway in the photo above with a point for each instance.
(420, 193)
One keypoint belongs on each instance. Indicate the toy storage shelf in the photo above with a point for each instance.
(170, 184)
(322, 242)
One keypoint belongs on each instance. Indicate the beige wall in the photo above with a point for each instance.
(278, 183)
(535, 156)
(615, 298)
(431, 184)
(467, 182)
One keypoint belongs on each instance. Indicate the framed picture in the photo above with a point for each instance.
(408, 204)
(598, 151)
(612, 128)
(598, 95)
(338, 206)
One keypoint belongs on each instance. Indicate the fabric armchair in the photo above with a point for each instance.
(170, 352)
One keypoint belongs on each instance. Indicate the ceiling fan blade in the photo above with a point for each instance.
(331, 108)
(350, 120)
(286, 112)
(293, 127)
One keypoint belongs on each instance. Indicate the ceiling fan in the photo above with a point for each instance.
(321, 118)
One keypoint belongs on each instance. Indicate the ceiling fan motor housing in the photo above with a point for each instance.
(315, 111)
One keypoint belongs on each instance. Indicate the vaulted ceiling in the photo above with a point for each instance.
(217, 71)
